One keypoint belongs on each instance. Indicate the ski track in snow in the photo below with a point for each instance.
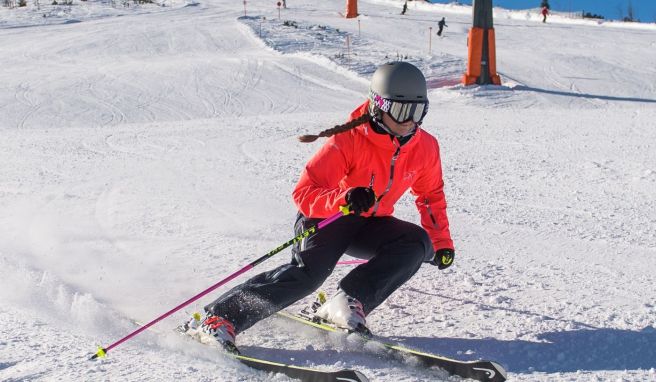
(147, 156)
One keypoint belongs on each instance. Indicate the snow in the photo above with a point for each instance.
(148, 152)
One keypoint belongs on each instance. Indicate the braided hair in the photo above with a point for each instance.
(337, 129)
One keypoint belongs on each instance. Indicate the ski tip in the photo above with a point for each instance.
(361, 377)
(503, 374)
(489, 371)
(350, 376)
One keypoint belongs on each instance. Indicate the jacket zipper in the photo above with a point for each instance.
(391, 179)
(430, 213)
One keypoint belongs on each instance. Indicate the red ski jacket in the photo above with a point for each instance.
(361, 157)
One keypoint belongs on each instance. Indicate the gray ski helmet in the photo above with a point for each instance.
(399, 81)
(396, 81)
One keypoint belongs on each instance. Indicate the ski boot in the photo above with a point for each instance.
(342, 311)
(211, 330)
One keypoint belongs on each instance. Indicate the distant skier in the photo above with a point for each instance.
(405, 8)
(352, 169)
(544, 12)
(440, 25)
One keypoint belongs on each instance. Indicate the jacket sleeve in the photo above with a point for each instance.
(317, 193)
(431, 202)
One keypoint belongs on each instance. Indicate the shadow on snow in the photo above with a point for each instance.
(585, 348)
(582, 95)
(566, 351)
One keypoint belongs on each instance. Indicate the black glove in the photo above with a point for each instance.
(443, 258)
(360, 199)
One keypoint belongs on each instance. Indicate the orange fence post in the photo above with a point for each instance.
(475, 44)
(492, 53)
(481, 64)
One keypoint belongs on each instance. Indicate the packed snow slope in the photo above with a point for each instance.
(147, 156)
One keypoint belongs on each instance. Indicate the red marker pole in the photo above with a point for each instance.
(279, 10)
(348, 49)
(430, 39)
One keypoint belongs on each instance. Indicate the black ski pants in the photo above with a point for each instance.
(395, 249)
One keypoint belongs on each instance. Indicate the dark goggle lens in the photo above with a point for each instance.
(402, 112)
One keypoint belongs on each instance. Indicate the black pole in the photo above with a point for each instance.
(483, 14)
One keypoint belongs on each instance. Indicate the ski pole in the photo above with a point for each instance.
(352, 262)
(343, 210)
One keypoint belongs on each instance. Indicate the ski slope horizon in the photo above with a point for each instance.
(641, 9)
(148, 152)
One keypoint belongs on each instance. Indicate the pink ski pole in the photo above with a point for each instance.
(351, 262)
(344, 210)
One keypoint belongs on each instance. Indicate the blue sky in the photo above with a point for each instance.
(645, 10)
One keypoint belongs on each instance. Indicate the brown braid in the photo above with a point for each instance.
(337, 129)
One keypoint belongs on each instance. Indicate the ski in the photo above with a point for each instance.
(305, 374)
(484, 371)
(301, 373)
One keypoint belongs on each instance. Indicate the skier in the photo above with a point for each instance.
(544, 12)
(405, 7)
(441, 24)
(367, 163)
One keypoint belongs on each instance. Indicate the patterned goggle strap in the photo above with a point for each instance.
(400, 111)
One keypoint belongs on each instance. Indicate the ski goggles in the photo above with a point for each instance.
(401, 111)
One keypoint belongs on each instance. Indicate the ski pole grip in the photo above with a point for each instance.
(345, 209)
